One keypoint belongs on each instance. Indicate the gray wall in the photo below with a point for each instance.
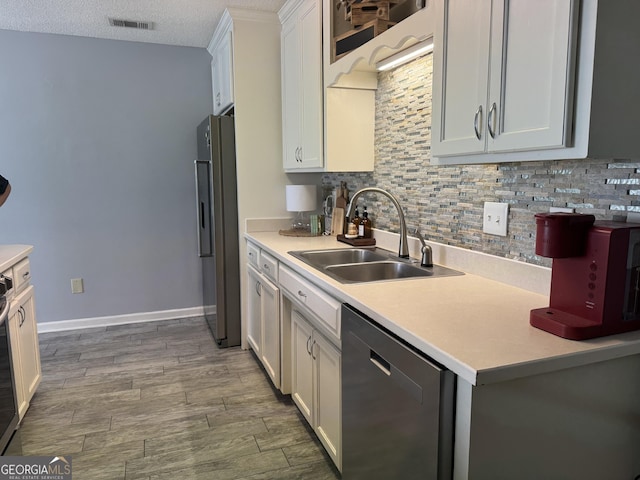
(447, 201)
(97, 138)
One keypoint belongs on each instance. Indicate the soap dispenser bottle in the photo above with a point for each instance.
(352, 228)
(365, 224)
(357, 220)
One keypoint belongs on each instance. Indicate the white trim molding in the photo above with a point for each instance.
(142, 317)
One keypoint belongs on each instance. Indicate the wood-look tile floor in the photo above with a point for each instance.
(159, 401)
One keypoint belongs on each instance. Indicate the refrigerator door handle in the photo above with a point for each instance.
(203, 208)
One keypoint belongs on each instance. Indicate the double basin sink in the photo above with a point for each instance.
(361, 265)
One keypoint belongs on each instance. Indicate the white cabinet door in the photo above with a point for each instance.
(302, 102)
(530, 93)
(254, 311)
(460, 77)
(310, 26)
(222, 75)
(328, 411)
(270, 303)
(14, 329)
(499, 84)
(302, 365)
(25, 349)
(291, 66)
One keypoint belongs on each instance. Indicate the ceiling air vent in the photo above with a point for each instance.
(117, 22)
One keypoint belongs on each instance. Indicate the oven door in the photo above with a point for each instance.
(8, 410)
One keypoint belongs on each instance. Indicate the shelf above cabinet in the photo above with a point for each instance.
(357, 69)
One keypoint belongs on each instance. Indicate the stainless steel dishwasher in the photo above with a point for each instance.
(397, 406)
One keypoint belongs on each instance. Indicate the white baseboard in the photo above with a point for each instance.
(142, 317)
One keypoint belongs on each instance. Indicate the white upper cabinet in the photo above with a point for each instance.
(503, 75)
(559, 77)
(302, 102)
(323, 129)
(222, 78)
(221, 50)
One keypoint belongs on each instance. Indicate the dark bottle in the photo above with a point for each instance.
(356, 219)
(365, 224)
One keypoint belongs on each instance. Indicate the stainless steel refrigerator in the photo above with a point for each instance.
(217, 212)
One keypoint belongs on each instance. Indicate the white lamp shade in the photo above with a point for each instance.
(301, 198)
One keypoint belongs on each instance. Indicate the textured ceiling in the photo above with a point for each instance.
(176, 22)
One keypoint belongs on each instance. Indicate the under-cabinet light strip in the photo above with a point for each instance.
(405, 55)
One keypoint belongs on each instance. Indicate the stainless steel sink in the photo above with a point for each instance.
(323, 258)
(362, 265)
(388, 270)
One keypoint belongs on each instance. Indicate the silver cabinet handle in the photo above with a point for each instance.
(475, 121)
(23, 315)
(266, 267)
(258, 285)
(218, 98)
(313, 345)
(302, 294)
(308, 349)
(491, 120)
(25, 274)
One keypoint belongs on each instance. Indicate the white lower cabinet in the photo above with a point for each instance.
(25, 349)
(302, 365)
(315, 383)
(270, 296)
(293, 327)
(254, 311)
(263, 322)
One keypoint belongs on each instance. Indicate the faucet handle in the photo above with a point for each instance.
(418, 234)
(427, 257)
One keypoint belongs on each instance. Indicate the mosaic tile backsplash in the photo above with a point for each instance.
(446, 202)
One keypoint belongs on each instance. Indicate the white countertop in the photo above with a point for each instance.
(11, 254)
(477, 327)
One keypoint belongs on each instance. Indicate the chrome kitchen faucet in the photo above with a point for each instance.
(403, 249)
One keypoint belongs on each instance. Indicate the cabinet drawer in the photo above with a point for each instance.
(21, 275)
(325, 307)
(253, 255)
(269, 266)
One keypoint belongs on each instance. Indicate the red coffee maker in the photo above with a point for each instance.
(595, 277)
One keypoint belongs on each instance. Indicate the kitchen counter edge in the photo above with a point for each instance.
(12, 254)
(533, 351)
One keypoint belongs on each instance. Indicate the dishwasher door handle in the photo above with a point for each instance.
(380, 362)
(397, 376)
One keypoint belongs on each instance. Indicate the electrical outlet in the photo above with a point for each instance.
(633, 217)
(495, 218)
(77, 285)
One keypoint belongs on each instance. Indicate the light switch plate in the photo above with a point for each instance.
(495, 218)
